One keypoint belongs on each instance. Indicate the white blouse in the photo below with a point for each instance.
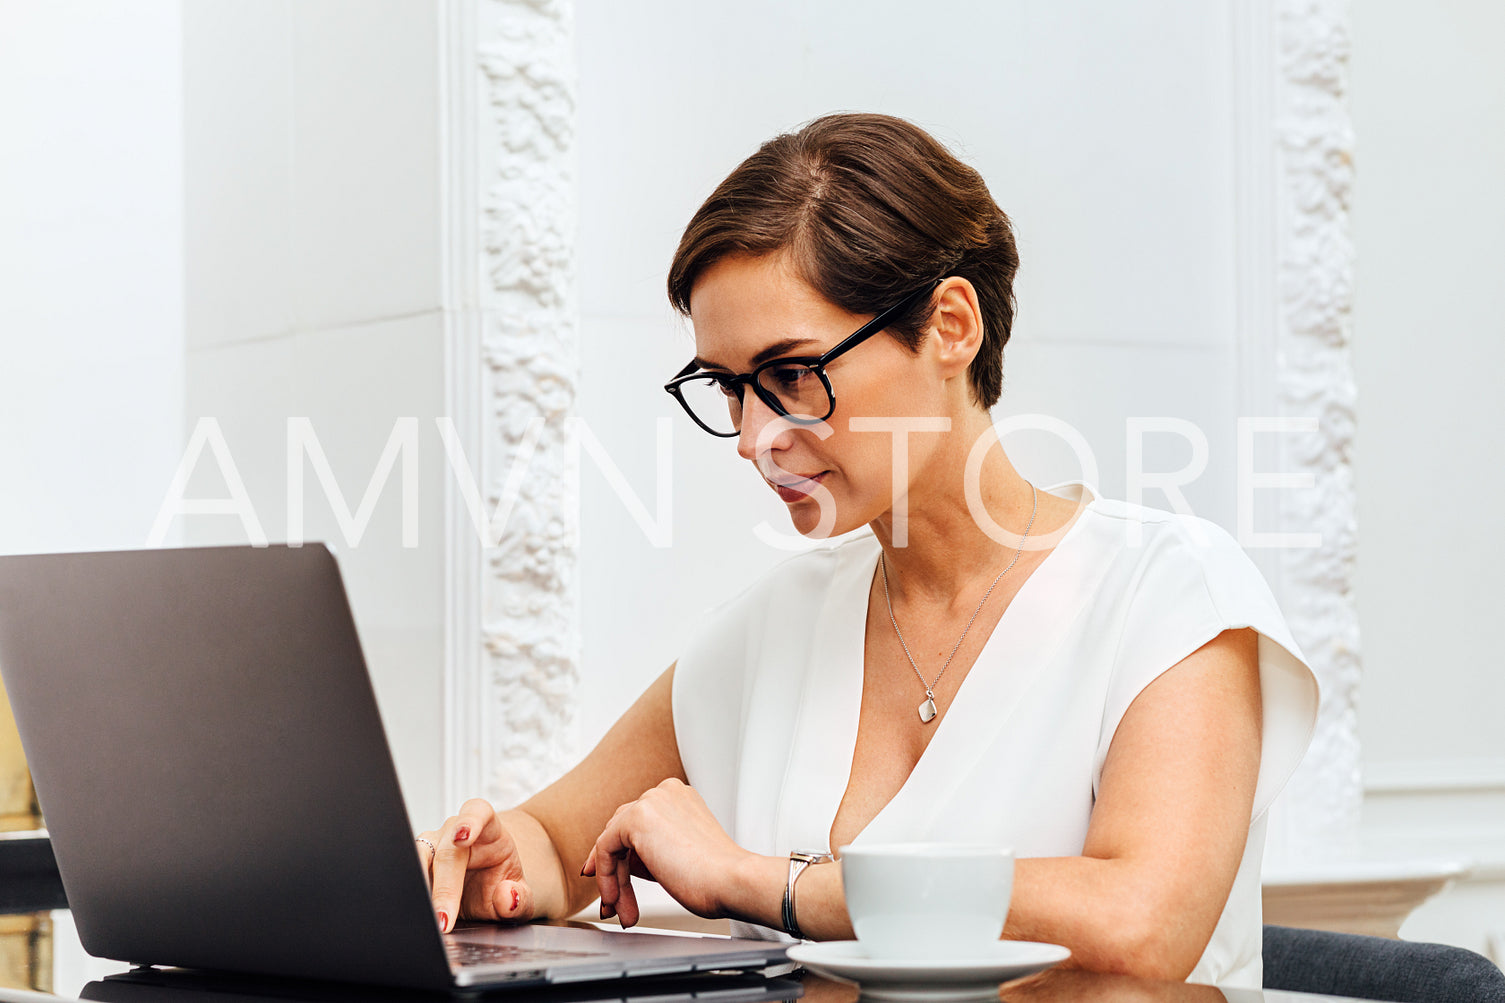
(767, 694)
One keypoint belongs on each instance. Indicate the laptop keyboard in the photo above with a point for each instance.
(465, 954)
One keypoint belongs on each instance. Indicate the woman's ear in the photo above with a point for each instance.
(956, 326)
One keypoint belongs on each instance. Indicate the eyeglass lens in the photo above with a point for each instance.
(799, 390)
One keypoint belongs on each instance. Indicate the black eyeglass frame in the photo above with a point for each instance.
(815, 363)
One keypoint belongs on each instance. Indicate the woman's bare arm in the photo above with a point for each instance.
(1164, 844)
(561, 822)
(639, 752)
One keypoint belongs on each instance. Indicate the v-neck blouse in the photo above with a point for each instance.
(768, 692)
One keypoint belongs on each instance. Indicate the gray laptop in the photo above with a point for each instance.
(212, 769)
(157, 985)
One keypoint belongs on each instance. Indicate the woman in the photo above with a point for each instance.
(1108, 689)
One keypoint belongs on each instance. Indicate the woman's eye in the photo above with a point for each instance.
(726, 388)
(788, 376)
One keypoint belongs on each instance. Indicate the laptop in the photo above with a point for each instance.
(158, 985)
(214, 775)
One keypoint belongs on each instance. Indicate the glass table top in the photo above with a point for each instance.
(41, 961)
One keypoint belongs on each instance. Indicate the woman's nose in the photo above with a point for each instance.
(752, 439)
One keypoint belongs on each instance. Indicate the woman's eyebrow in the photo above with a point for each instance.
(773, 351)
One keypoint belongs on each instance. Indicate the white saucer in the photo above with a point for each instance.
(964, 978)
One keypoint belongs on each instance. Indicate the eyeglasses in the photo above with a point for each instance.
(796, 388)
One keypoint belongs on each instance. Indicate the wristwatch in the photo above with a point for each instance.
(798, 861)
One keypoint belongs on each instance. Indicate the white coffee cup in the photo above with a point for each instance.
(927, 900)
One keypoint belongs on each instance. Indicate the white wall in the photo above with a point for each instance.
(312, 290)
(1104, 130)
(91, 264)
(1428, 89)
(91, 284)
(299, 253)
(302, 247)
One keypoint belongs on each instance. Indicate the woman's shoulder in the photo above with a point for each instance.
(1182, 580)
(1165, 567)
(1160, 528)
(1151, 544)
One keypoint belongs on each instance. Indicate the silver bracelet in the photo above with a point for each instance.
(798, 861)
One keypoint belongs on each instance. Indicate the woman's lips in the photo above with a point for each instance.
(793, 489)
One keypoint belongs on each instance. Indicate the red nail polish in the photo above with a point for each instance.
(514, 900)
(443, 922)
(462, 834)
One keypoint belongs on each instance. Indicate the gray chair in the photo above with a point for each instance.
(1374, 968)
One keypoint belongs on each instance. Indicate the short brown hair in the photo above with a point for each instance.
(869, 208)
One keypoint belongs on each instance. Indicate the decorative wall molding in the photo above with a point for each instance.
(1451, 808)
(1464, 823)
(1314, 377)
(515, 637)
(1296, 260)
(530, 345)
(1482, 775)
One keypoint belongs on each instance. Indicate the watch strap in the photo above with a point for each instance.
(798, 861)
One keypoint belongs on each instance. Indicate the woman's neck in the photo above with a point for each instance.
(945, 549)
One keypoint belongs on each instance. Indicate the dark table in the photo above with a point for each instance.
(1056, 986)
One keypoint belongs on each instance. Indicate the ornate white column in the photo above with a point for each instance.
(514, 639)
(1296, 261)
(1315, 377)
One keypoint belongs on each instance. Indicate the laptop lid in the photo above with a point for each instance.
(210, 763)
(218, 789)
(212, 768)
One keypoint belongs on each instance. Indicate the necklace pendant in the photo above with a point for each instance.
(927, 710)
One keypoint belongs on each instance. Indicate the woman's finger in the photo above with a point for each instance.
(426, 843)
(475, 820)
(606, 879)
(601, 864)
(627, 900)
(491, 828)
(513, 900)
(449, 874)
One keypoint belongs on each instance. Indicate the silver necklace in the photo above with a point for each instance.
(927, 709)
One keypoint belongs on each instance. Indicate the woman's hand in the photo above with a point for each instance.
(474, 869)
(668, 835)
